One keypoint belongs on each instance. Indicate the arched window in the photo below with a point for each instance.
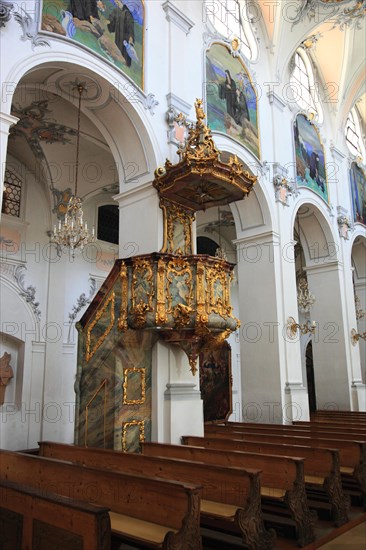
(108, 223)
(12, 194)
(353, 134)
(230, 19)
(304, 85)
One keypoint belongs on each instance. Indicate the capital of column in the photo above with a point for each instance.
(130, 196)
(6, 121)
(261, 238)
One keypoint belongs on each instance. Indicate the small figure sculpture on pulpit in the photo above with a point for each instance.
(6, 374)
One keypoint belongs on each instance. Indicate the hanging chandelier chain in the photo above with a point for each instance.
(73, 233)
(81, 90)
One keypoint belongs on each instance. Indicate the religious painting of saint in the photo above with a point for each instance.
(310, 160)
(112, 29)
(231, 98)
(358, 193)
(216, 383)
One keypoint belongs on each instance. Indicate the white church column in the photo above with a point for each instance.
(272, 391)
(180, 410)
(337, 365)
(6, 121)
(140, 221)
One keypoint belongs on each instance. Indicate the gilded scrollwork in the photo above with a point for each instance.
(91, 349)
(126, 426)
(202, 316)
(218, 290)
(179, 287)
(161, 316)
(122, 321)
(128, 372)
(177, 228)
(142, 291)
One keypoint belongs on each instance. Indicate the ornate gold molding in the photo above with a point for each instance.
(122, 321)
(126, 426)
(126, 372)
(176, 217)
(160, 317)
(142, 271)
(89, 349)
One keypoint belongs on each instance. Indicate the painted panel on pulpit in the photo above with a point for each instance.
(231, 98)
(112, 29)
(358, 192)
(310, 159)
(216, 383)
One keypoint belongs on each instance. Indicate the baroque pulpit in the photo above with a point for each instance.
(173, 295)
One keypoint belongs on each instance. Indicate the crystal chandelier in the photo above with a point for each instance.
(305, 300)
(73, 232)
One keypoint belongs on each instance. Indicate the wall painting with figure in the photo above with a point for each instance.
(216, 383)
(111, 28)
(310, 159)
(231, 98)
(358, 192)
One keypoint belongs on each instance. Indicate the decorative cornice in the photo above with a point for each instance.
(174, 15)
(176, 115)
(178, 104)
(181, 391)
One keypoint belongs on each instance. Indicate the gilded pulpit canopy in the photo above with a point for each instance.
(200, 179)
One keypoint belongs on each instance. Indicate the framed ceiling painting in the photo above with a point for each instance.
(112, 29)
(358, 193)
(231, 98)
(310, 158)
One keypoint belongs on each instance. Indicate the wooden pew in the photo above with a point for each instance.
(352, 453)
(145, 511)
(282, 477)
(333, 427)
(321, 466)
(231, 496)
(313, 431)
(31, 518)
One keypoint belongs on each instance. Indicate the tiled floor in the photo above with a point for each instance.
(355, 539)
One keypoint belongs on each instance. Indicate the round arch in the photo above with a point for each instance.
(319, 240)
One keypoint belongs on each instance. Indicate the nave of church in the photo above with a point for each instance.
(182, 243)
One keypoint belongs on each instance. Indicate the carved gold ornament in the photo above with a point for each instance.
(122, 321)
(126, 426)
(126, 373)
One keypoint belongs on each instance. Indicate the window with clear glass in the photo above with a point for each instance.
(353, 134)
(229, 18)
(303, 85)
(12, 194)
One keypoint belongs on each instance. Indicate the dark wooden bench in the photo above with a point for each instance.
(321, 467)
(350, 427)
(352, 453)
(145, 511)
(282, 477)
(34, 519)
(313, 430)
(231, 496)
